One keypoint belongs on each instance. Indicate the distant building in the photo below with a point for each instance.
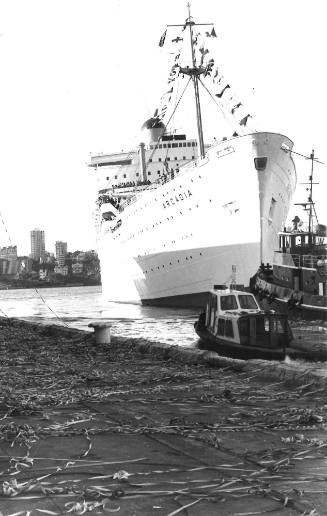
(37, 244)
(9, 253)
(8, 260)
(8, 267)
(61, 253)
(43, 273)
(77, 268)
(61, 270)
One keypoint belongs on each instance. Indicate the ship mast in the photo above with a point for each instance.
(194, 72)
(190, 23)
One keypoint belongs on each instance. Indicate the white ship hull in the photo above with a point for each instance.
(216, 216)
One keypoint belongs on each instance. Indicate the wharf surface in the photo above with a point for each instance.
(140, 428)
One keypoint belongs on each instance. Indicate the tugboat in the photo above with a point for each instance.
(297, 281)
(234, 325)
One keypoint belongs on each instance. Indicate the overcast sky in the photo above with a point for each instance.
(81, 76)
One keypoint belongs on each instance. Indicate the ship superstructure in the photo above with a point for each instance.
(190, 215)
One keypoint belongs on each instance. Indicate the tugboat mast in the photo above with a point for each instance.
(311, 210)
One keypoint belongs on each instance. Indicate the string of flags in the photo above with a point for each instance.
(207, 66)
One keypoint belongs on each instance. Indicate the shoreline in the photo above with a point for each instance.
(286, 370)
(48, 285)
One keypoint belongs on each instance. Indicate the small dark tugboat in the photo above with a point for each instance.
(234, 325)
(297, 281)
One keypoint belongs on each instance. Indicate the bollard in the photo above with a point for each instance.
(101, 332)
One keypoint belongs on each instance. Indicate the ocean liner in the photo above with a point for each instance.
(183, 214)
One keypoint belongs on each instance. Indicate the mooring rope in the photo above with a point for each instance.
(51, 310)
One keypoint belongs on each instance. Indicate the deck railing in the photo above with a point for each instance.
(161, 181)
(307, 260)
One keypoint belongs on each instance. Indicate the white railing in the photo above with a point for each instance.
(163, 180)
(306, 260)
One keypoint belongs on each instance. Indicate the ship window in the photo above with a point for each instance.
(189, 144)
(184, 144)
(169, 145)
(229, 329)
(168, 159)
(159, 159)
(174, 145)
(180, 145)
(160, 146)
(221, 326)
(107, 178)
(193, 157)
(158, 172)
(137, 175)
(164, 145)
(176, 158)
(247, 302)
(116, 177)
(149, 173)
(193, 144)
(124, 175)
(260, 163)
(228, 303)
(150, 160)
(184, 157)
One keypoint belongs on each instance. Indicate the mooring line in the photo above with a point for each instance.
(49, 307)
(4, 313)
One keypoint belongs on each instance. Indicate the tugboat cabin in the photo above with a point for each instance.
(234, 321)
(300, 263)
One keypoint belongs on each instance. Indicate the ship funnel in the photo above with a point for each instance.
(154, 128)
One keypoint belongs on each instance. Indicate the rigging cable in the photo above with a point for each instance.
(6, 230)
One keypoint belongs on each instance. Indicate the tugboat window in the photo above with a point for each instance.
(221, 326)
(260, 163)
(229, 329)
(247, 302)
(228, 303)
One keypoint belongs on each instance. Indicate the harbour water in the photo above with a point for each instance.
(78, 306)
